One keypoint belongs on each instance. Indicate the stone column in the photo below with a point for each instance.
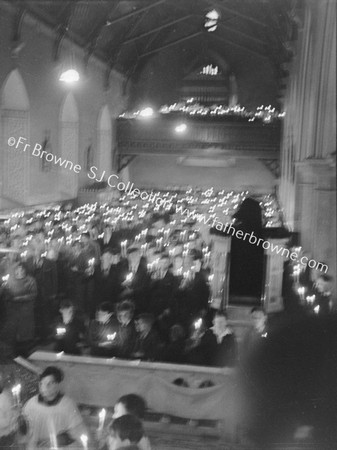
(316, 203)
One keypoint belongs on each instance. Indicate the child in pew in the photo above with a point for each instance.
(130, 404)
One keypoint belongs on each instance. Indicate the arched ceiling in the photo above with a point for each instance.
(156, 42)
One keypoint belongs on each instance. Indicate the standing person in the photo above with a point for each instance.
(258, 332)
(19, 327)
(108, 279)
(224, 352)
(45, 274)
(138, 287)
(86, 265)
(53, 418)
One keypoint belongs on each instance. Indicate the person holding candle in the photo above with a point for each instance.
(103, 332)
(52, 418)
(199, 346)
(18, 330)
(138, 287)
(69, 329)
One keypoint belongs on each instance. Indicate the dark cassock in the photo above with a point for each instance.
(45, 273)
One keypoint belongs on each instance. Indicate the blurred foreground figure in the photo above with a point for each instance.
(53, 418)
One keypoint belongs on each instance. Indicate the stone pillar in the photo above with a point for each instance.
(220, 269)
(273, 272)
(316, 209)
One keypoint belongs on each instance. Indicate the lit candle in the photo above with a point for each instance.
(301, 292)
(5, 278)
(16, 390)
(143, 248)
(101, 420)
(311, 299)
(60, 331)
(91, 263)
(197, 324)
(84, 440)
(52, 435)
(123, 247)
(129, 277)
(111, 337)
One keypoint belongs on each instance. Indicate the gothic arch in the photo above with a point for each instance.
(68, 138)
(15, 123)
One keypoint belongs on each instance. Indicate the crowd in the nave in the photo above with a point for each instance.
(124, 279)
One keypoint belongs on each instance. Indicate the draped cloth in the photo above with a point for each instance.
(103, 383)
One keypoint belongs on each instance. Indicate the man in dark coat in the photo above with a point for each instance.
(137, 283)
(126, 333)
(224, 352)
(69, 330)
(109, 277)
(103, 332)
(147, 343)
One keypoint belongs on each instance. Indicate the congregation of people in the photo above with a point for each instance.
(98, 281)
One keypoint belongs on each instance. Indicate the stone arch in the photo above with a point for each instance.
(104, 157)
(15, 123)
(68, 138)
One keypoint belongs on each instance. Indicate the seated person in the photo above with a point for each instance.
(52, 418)
(198, 348)
(224, 352)
(125, 433)
(147, 342)
(126, 332)
(69, 330)
(103, 332)
(174, 350)
(135, 405)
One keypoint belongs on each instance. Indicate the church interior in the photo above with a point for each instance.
(168, 224)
